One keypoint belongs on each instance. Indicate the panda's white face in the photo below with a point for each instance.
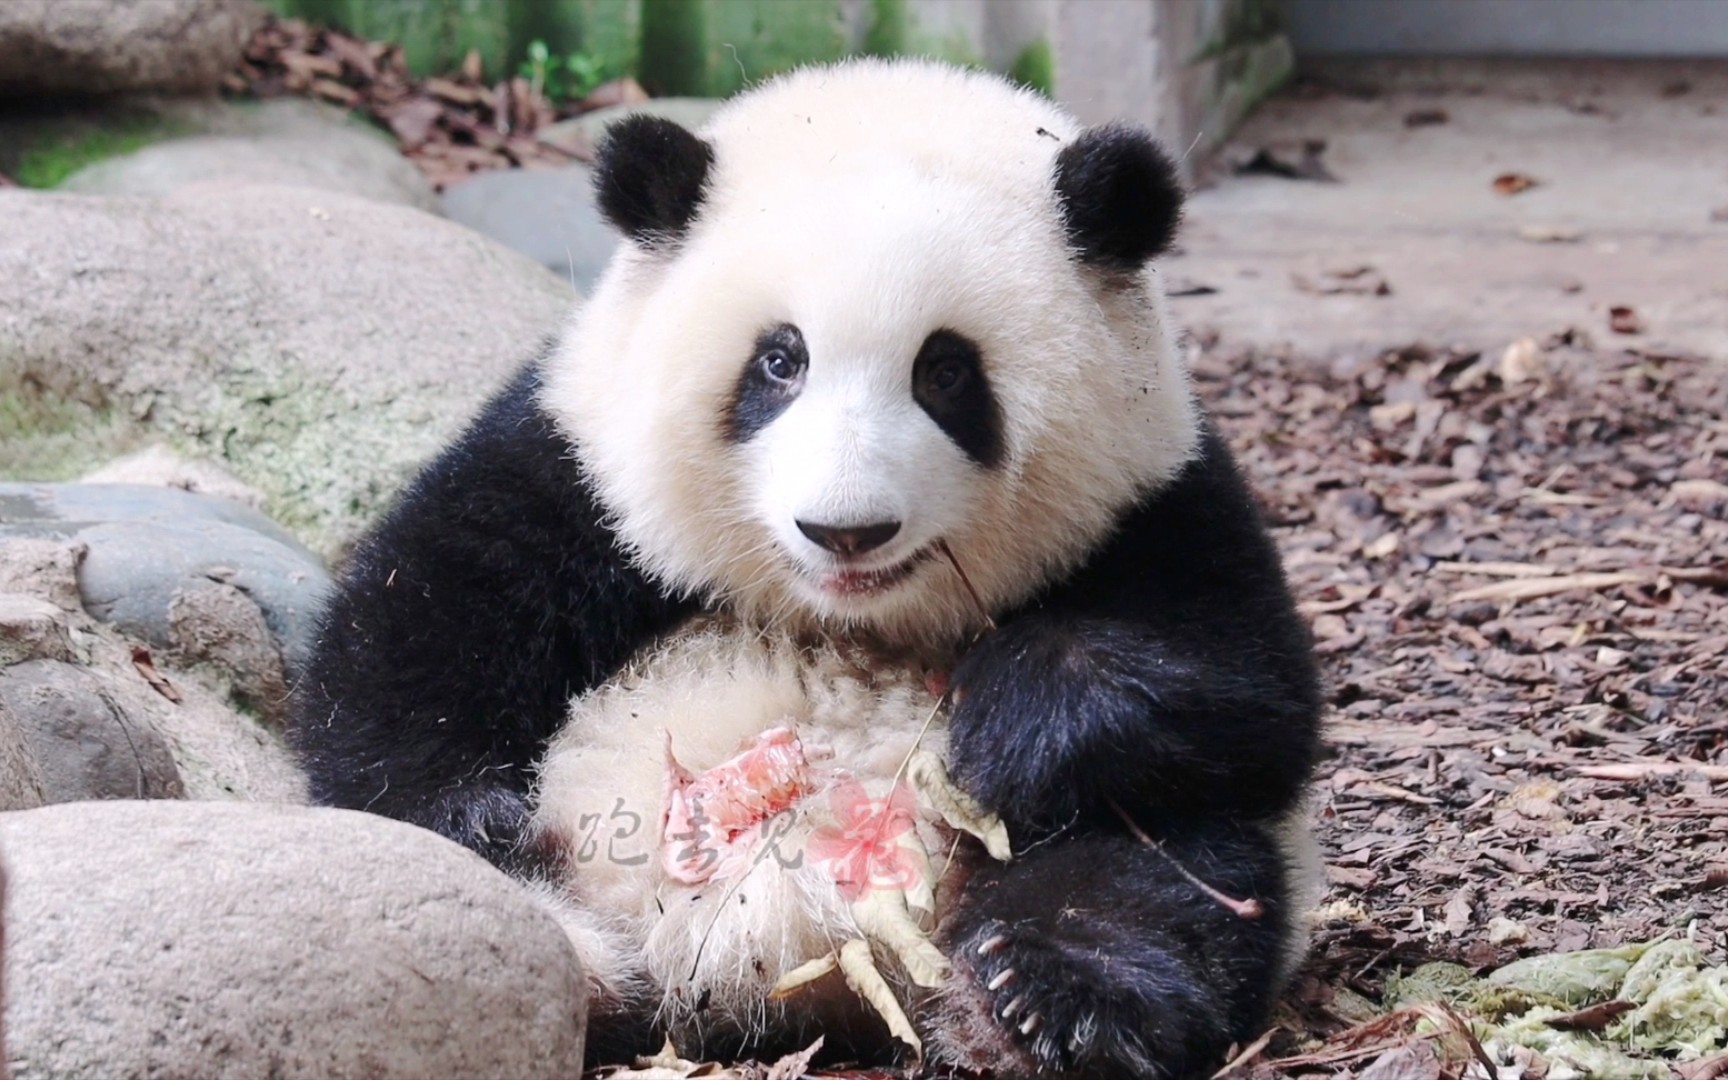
(872, 345)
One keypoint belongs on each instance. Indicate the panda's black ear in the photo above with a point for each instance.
(651, 177)
(1120, 197)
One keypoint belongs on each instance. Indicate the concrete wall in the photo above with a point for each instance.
(1510, 27)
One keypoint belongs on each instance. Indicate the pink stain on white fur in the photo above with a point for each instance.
(714, 819)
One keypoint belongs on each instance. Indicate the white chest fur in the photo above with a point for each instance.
(720, 945)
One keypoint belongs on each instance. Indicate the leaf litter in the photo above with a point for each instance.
(1516, 567)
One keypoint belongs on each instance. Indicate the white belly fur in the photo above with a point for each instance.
(714, 686)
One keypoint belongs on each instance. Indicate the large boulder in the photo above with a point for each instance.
(588, 131)
(107, 46)
(291, 142)
(548, 215)
(213, 940)
(318, 345)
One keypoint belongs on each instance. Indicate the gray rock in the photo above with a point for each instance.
(149, 550)
(158, 466)
(547, 214)
(224, 675)
(221, 630)
(32, 629)
(290, 142)
(76, 505)
(215, 940)
(319, 346)
(81, 740)
(588, 130)
(91, 47)
(21, 783)
(43, 568)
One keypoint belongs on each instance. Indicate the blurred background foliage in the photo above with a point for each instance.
(705, 48)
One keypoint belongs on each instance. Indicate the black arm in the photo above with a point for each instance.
(1171, 674)
(461, 628)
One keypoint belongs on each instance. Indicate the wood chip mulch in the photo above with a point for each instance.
(451, 127)
(1515, 567)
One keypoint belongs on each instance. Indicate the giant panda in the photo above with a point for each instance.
(873, 445)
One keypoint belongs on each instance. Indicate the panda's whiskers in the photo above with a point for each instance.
(978, 601)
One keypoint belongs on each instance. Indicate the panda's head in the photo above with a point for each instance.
(867, 310)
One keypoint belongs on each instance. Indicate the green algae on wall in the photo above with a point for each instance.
(887, 32)
(51, 438)
(673, 47)
(1035, 68)
(688, 47)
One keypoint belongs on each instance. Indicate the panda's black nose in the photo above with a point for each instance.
(850, 539)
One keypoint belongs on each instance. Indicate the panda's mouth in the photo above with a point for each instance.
(850, 583)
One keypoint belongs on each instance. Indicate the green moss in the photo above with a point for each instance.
(50, 438)
(47, 164)
(1035, 68)
(888, 28)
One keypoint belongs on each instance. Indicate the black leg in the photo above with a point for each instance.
(1095, 957)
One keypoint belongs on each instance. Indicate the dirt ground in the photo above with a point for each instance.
(1514, 565)
(1469, 203)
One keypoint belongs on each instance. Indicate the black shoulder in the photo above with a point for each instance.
(487, 596)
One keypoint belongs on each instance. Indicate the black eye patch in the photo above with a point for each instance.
(770, 381)
(949, 385)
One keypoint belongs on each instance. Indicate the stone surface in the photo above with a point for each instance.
(158, 466)
(289, 142)
(32, 628)
(21, 783)
(181, 571)
(319, 346)
(106, 46)
(547, 214)
(208, 701)
(84, 745)
(1627, 178)
(214, 940)
(589, 129)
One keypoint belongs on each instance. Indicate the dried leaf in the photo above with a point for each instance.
(859, 967)
(1535, 588)
(1415, 1061)
(1353, 280)
(1304, 160)
(794, 1066)
(1624, 320)
(803, 975)
(1514, 183)
(1550, 234)
(158, 682)
(1416, 118)
(1460, 911)
(1592, 1017)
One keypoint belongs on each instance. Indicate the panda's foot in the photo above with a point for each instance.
(1088, 958)
(1031, 1008)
